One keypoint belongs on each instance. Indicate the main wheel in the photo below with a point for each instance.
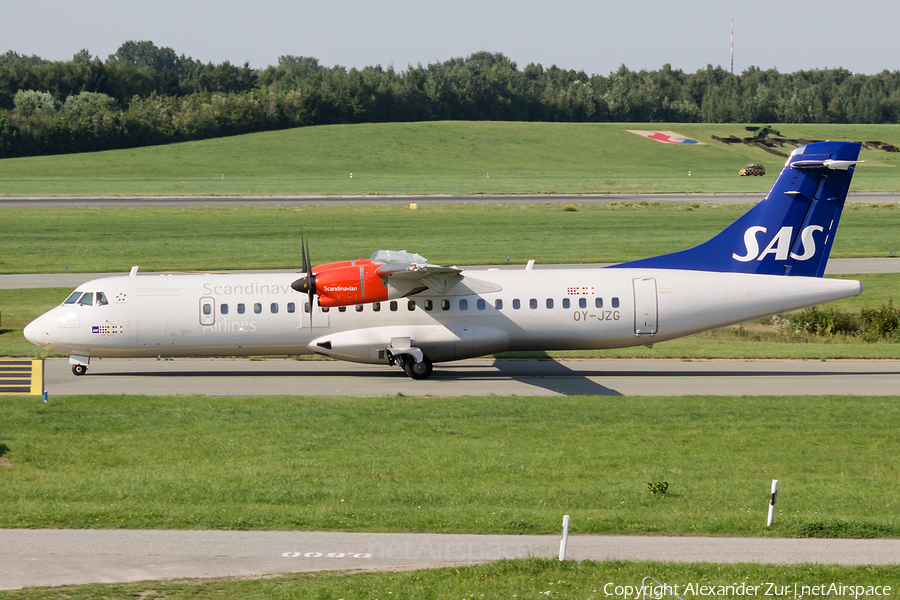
(79, 370)
(419, 370)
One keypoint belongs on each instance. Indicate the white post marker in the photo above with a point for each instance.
(565, 538)
(771, 516)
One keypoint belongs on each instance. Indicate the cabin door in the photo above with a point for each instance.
(645, 306)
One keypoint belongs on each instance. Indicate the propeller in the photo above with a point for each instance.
(307, 283)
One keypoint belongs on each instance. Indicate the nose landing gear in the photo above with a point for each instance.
(79, 364)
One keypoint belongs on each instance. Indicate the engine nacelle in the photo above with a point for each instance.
(351, 284)
(337, 265)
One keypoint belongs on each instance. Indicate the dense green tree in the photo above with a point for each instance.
(144, 94)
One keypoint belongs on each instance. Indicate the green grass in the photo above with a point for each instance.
(439, 158)
(528, 578)
(209, 238)
(485, 465)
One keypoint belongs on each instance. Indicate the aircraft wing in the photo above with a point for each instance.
(414, 271)
(438, 278)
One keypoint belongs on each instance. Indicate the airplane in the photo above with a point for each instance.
(396, 308)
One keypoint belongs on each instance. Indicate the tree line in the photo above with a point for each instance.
(145, 95)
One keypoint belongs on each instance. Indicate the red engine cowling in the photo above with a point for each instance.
(352, 284)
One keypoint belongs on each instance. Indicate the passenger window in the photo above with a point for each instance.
(306, 307)
(257, 308)
(516, 304)
(480, 304)
(207, 309)
(445, 305)
(429, 305)
(87, 299)
(376, 306)
(464, 304)
(498, 304)
(410, 305)
(291, 307)
(359, 308)
(101, 299)
(582, 303)
(566, 303)
(615, 302)
(240, 309)
(598, 302)
(324, 309)
(274, 308)
(73, 298)
(223, 308)
(393, 306)
(532, 303)
(549, 302)
(342, 309)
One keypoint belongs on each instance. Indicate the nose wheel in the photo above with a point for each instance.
(79, 370)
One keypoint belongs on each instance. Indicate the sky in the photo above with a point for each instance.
(595, 36)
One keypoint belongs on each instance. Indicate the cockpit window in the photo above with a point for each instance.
(73, 298)
(101, 299)
(87, 299)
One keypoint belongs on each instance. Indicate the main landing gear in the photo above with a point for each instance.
(417, 369)
(79, 370)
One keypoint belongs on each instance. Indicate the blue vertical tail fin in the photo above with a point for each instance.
(791, 231)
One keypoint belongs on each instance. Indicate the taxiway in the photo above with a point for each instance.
(478, 377)
(58, 557)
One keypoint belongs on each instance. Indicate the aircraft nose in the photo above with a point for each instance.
(33, 331)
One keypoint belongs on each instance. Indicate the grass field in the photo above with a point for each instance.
(531, 578)
(486, 465)
(208, 238)
(440, 158)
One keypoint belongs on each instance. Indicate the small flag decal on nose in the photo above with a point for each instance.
(106, 329)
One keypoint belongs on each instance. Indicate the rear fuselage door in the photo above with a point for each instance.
(645, 306)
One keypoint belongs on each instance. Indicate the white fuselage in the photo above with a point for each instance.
(488, 311)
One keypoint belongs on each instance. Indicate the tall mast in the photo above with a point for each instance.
(732, 45)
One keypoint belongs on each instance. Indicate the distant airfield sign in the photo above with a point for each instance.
(668, 137)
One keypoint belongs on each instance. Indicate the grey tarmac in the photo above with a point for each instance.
(477, 377)
(49, 557)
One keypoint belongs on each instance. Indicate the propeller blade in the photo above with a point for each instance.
(311, 282)
(304, 249)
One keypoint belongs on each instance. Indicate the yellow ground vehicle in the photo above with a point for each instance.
(752, 169)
